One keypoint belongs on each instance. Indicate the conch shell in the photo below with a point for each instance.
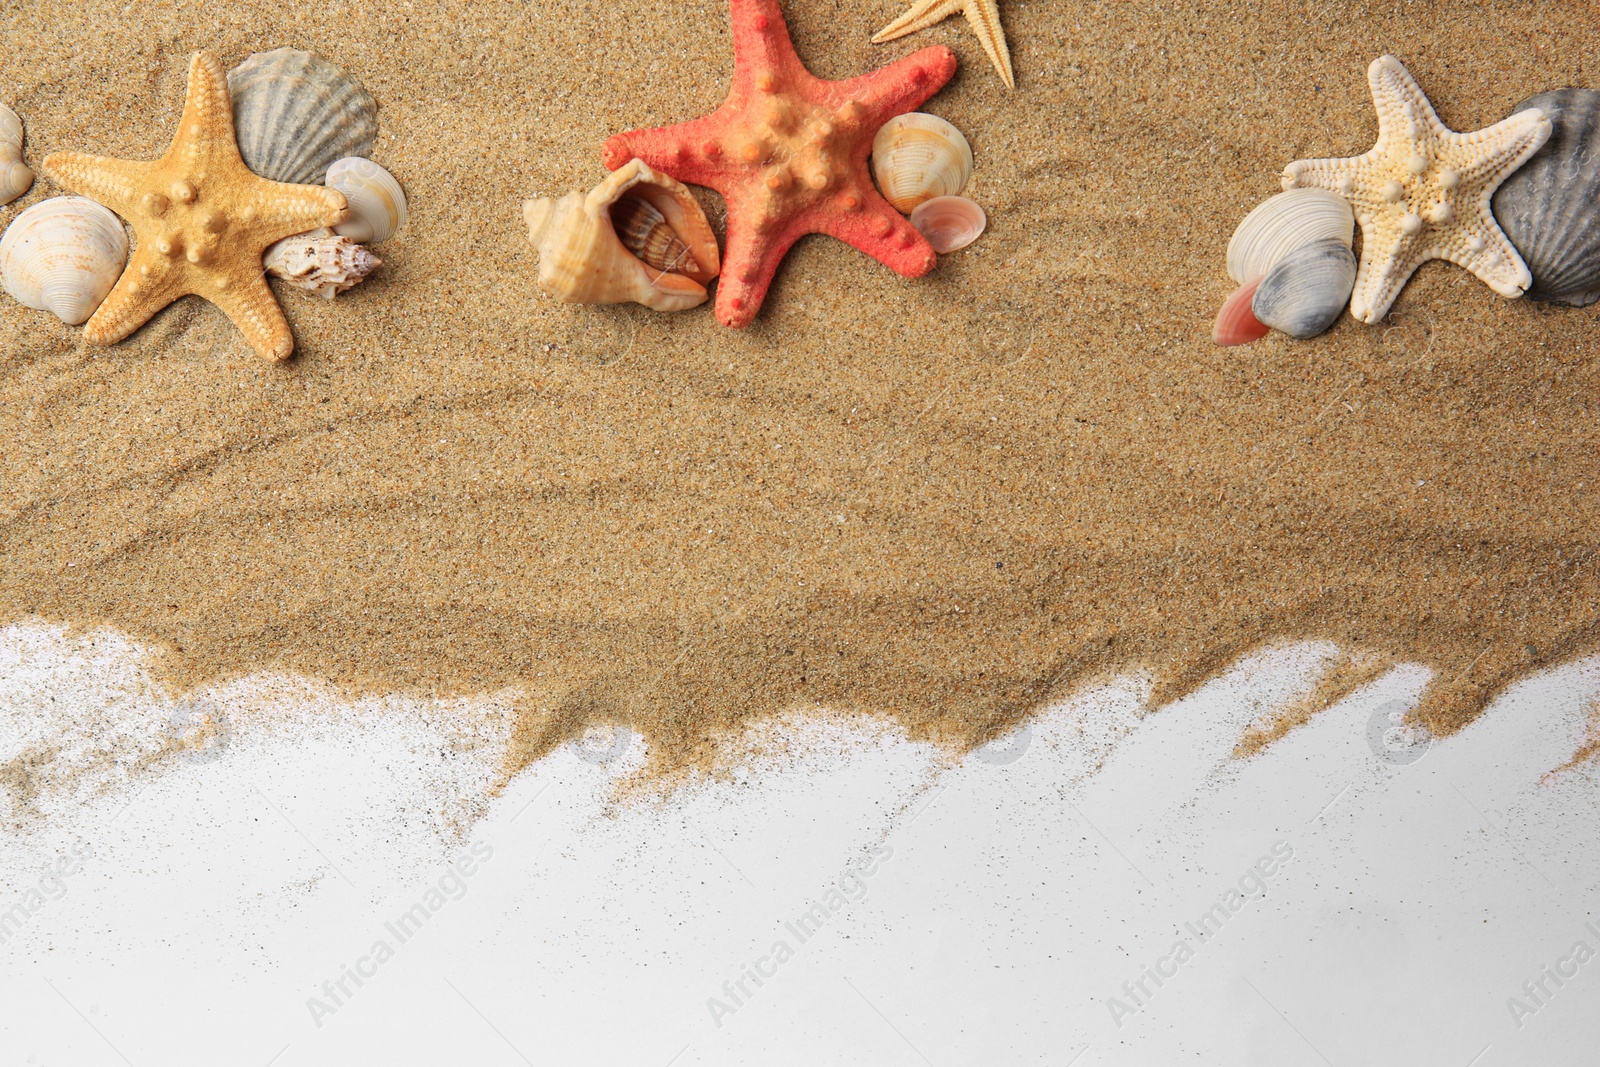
(320, 262)
(583, 259)
(15, 177)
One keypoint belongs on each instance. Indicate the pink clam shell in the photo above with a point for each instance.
(949, 222)
(1236, 323)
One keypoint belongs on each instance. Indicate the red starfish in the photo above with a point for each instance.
(788, 152)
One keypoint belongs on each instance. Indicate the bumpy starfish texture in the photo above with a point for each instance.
(202, 219)
(1423, 192)
(788, 152)
(984, 15)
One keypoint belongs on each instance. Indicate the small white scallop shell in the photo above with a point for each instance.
(15, 177)
(377, 205)
(294, 114)
(63, 255)
(320, 262)
(949, 222)
(916, 157)
(1283, 223)
(1307, 289)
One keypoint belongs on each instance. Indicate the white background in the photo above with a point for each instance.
(1027, 882)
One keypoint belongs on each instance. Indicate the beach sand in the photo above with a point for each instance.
(944, 500)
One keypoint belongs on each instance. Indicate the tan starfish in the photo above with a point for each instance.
(202, 219)
(1423, 192)
(983, 14)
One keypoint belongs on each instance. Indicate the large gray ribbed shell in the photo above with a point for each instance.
(1550, 207)
(295, 114)
(1307, 289)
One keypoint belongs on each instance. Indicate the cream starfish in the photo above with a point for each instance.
(1423, 192)
(983, 14)
(202, 219)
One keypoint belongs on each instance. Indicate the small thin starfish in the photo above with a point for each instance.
(1423, 192)
(202, 219)
(983, 14)
(788, 152)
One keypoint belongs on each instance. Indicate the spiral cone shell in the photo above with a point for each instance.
(320, 262)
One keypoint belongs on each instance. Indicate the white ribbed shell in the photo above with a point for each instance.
(1284, 223)
(15, 177)
(376, 201)
(916, 157)
(63, 255)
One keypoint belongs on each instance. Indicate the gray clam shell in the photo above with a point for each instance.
(1550, 208)
(1308, 289)
(295, 113)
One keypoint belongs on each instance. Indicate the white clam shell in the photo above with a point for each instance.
(63, 255)
(949, 222)
(15, 177)
(916, 157)
(1307, 289)
(376, 201)
(294, 114)
(1283, 223)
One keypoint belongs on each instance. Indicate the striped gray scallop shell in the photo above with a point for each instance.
(295, 114)
(1550, 208)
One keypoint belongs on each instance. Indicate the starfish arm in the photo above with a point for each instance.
(901, 86)
(1388, 261)
(1496, 263)
(985, 18)
(145, 287)
(922, 14)
(205, 132)
(690, 152)
(254, 309)
(1400, 102)
(112, 182)
(283, 210)
(749, 262)
(884, 234)
(1511, 142)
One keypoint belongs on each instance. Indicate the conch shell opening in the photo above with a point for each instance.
(639, 235)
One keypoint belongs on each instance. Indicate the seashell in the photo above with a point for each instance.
(1283, 223)
(320, 262)
(377, 205)
(1236, 323)
(63, 255)
(583, 260)
(949, 222)
(1549, 206)
(15, 177)
(644, 231)
(1307, 290)
(294, 114)
(916, 157)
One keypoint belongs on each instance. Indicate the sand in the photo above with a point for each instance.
(943, 500)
